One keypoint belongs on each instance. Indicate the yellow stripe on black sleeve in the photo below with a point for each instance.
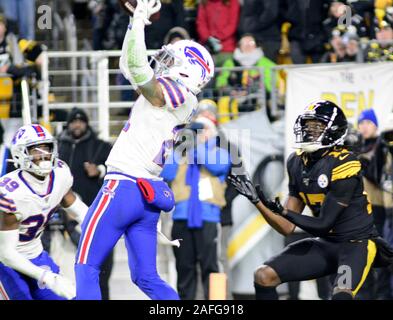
(347, 173)
(346, 168)
(344, 165)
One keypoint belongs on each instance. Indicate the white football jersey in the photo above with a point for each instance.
(33, 203)
(142, 146)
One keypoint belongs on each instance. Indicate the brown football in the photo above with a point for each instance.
(130, 5)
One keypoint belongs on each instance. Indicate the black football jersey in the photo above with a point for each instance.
(311, 182)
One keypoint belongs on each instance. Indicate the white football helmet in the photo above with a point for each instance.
(27, 137)
(186, 61)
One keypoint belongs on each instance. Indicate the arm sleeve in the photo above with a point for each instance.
(133, 61)
(335, 202)
(13, 259)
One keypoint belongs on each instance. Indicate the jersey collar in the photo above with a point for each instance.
(50, 185)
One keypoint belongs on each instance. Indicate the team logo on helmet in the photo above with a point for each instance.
(195, 57)
(18, 135)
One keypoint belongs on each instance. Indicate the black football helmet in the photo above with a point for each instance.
(321, 125)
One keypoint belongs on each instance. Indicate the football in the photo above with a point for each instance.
(130, 5)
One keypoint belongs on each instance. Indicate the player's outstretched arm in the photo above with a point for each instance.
(9, 256)
(74, 206)
(133, 62)
(245, 187)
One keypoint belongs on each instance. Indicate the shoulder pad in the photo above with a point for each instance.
(346, 165)
(174, 92)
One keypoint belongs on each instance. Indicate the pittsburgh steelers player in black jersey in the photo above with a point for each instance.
(327, 178)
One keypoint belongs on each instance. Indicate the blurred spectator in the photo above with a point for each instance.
(368, 128)
(5, 155)
(382, 49)
(375, 286)
(338, 10)
(85, 154)
(240, 84)
(343, 47)
(176, 34)
(208, 108)
(21, 17)
(109, 24)
(190, 14)
(171, 15)
(217, 23)
(5, 54)
(261, 18)
(197, 179)
(21, 59)
(306, 34)
(380, 172)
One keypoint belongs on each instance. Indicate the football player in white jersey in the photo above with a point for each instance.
(133, 195)
(28, 198)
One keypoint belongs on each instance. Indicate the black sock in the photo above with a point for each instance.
(342, 295)
(265, 293)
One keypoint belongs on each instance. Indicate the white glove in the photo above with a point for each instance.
(58, 284)
(145, 9)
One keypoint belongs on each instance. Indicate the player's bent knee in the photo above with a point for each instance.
(342, 294)
(266, 276)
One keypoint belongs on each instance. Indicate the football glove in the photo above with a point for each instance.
(274, 206)
(58, 284)
(244, 186)
(145, 9)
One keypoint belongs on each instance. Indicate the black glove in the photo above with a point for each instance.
(274, 206)
(244, 186)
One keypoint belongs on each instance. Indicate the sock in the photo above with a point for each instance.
(342, 295)
(265, 293)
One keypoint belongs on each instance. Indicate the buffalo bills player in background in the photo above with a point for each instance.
(28, 198)
(326, 177)
(133, 195)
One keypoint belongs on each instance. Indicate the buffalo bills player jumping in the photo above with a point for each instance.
(132, 197)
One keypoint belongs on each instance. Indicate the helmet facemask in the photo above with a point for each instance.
(163, 60)
(314, 133)
(35, 159)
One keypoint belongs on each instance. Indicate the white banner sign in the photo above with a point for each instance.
(353, 87)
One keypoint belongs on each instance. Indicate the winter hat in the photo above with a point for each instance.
(77, 114)
(368, 114)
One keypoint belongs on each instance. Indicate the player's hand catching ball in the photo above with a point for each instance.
(145, 9)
